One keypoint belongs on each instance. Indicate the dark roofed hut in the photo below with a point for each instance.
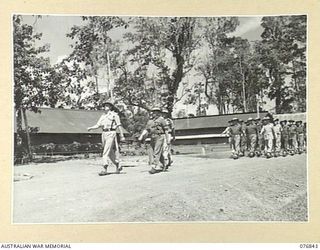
(63, 126)
(206, 129)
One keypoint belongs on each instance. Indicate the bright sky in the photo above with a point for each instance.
(55, 28)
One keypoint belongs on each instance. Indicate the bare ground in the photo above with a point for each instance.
(196, 188)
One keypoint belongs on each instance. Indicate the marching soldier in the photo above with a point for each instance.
(149, 151)
(148, 144)
(171, 137)
(158, 131)
(243, 138)
(235, 133)
(292, 137)
(300, 136)
(268, 134)
(109, 122)
(260, 140)
(285, 137)
(228, 133)
(277, 137)
(251, 132)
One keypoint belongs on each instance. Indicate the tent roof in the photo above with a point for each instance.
(54, 120)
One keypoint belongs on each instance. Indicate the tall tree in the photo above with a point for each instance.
(282, 51)
(31, 86)
(256, 81)
(196, 97)
(249, 78)
(165, 46)
(216, 66)
(94, 53)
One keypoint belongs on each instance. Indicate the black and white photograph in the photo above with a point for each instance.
(168, 119)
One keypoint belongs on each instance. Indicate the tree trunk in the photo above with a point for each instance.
(19, 122)
(177, 77)
(28, 134)
(243, 87)
(278, 101)
(220, 105)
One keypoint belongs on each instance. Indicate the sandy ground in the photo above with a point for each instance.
(196, 188)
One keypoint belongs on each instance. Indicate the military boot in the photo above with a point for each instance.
(104, 172)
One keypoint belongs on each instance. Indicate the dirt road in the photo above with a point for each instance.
(194, 189)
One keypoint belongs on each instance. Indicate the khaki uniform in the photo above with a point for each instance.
(260, 140)
(235, 133)
(293, 137)
(109, 122)
(268, 136)
(252, 131)
(277, 137)
(285, 137)
(300, 135)
(228, 133)
(243, 138)
(168, 142)
(149, 151)
(156, 129)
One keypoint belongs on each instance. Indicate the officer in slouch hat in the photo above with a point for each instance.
(157, 129)
(109, 122)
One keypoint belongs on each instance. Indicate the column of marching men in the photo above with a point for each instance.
(159, 129)
(160, 132)
(254, 137)
(266, 137)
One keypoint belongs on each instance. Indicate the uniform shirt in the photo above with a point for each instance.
(277, 129)
(267, 131)
(110, 120)
(299, 130)
(259, 127)
(292, 130)
(157, 126)
(235, 129)
(251, 129)
(243, 128)
(170, 125)
(285, 130)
